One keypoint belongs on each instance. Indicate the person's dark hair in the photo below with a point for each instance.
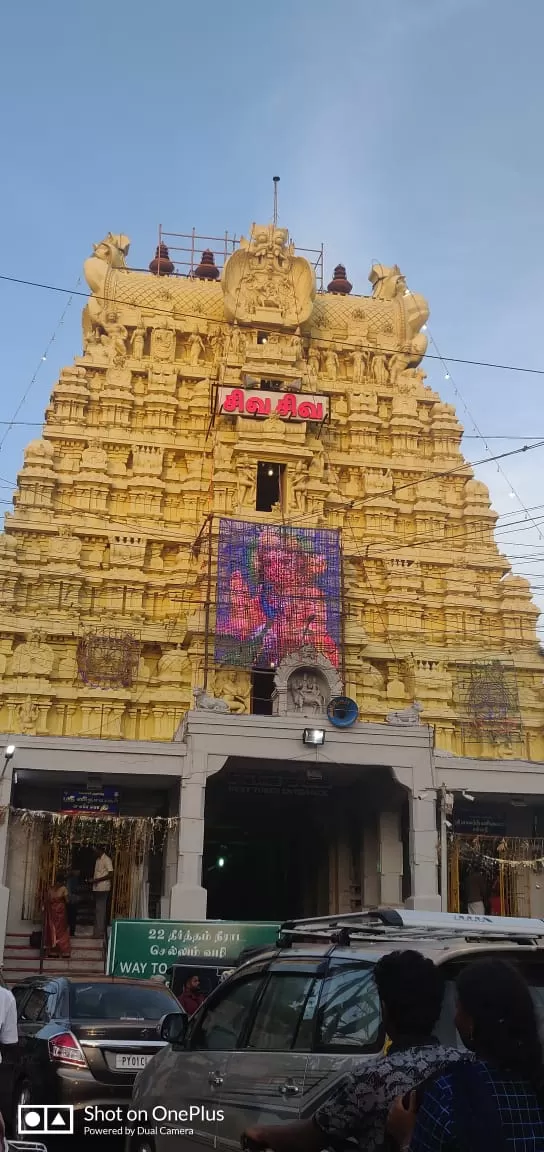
(505, 1030)
(411, 989)
(190, 976)
(60, 878)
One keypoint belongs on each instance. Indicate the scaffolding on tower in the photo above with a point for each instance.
(185, 250)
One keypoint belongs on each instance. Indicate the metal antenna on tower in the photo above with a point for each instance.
(276, 180)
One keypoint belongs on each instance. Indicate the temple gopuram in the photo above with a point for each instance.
(249, 571)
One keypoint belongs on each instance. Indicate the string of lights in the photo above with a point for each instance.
(41, 361)
(448, 376)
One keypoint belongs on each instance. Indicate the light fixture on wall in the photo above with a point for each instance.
(9, 753)
(313, 736)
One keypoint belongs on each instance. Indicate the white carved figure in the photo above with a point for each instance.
(163, 341)
(245, 475)
(331, 364)
(196, 349)
(380, 370)
(299, 486)
(138, 338)
(205, 703)
(307, 694)
(407, 717)
(115, 339)
(313, 365)
(28, 714)
(237, 341)
(358, 361)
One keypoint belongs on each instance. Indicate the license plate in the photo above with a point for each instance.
(129, 1061)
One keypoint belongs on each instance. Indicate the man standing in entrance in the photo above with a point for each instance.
(103, 874)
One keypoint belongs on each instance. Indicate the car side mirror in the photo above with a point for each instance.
(173, 1028)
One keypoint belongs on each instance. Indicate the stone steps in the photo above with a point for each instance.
(21, 961)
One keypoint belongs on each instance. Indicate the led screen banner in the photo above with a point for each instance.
(278, 588)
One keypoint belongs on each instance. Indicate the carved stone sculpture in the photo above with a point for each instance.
(94, 458)
(174, 667)
(305, 693)
(313, 366)
(206, 703)
(34, 657)
(28, 715)
(108, 254)
(265, 279)
(196, 349)
(235, 696)
(387, 283)
(358, 362)
(407, 717)
(299, 485)
(163, 342)
(222, 461)
(138, 340)
(245, 475)
(380, 370)
(331, 364)
(114, 340)
(304, 683)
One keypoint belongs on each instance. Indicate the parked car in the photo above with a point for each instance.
(82, 1042)
(270, 1043)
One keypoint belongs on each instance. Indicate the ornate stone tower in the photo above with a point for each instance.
(256, 399)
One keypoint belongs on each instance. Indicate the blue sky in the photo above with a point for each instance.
(404, 131)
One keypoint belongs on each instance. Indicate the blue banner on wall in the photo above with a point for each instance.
(80, 802)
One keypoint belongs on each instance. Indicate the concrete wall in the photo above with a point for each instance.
(202, 746)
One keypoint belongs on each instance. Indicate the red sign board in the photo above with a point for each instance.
(286, 405)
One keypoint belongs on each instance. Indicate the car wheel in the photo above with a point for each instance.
(22, 1096)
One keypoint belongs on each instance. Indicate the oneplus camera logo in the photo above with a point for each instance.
(45, 1120)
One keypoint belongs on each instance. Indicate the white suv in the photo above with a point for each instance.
(272, 1041)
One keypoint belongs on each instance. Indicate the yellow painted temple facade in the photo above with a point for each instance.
(186, 387)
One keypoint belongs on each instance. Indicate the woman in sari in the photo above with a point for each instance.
(56, 933)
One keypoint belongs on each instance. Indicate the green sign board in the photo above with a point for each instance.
(146, 948)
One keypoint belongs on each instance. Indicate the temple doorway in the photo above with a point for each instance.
(286, 839)
(266, 845)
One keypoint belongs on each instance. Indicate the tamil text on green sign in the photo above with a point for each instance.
(145, 948)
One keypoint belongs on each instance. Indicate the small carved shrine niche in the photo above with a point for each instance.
(304, 684)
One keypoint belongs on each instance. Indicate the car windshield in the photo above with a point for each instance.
(119, 1002)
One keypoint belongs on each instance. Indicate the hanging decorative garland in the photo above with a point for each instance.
(474, 850)
(148, 832)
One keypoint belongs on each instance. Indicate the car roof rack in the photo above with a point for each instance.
(402, 924)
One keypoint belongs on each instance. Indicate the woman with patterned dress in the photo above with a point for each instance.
(494, 1103)
(56, 932)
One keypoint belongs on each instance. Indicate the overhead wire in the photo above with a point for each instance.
(477, 430)
(41, 361)
(346, 345)
(364, 500)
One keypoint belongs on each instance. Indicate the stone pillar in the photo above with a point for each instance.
(390, 858)
(370, 863)
(188, 897)
(5, 798)
(423, 853)
(343, 863)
